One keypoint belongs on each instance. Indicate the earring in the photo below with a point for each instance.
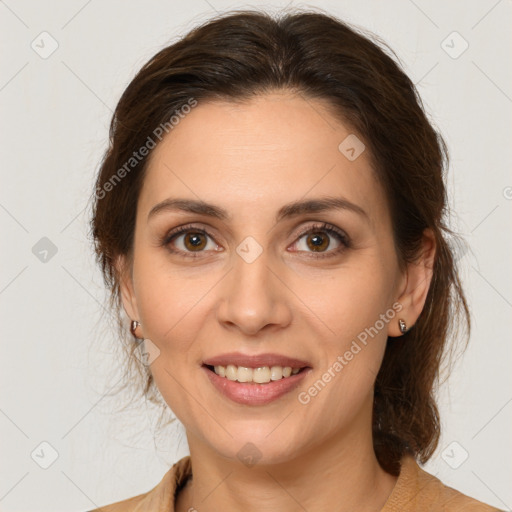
(402, 325)
(134, 326)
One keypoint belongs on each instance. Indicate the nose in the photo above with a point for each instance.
(254, 297)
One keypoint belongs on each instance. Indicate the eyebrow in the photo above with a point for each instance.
(289, 210)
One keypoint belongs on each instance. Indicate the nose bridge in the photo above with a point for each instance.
(252, 296)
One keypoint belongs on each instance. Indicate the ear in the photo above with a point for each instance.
(418, 277)
(123, 269)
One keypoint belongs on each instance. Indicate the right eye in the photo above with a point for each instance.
(187, 240)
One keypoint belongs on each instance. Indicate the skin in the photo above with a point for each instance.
(251, 159)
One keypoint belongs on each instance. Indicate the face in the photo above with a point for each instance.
(312, 289)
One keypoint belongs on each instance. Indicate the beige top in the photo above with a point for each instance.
(414, 491)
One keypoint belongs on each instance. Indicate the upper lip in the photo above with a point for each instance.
(254, 361)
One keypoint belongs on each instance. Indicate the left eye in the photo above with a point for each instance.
(318, 240)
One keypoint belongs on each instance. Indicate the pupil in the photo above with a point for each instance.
(195, 240)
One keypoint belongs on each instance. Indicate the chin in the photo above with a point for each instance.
(258, 447)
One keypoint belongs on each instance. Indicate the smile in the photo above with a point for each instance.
(260, 375)
(251, 392)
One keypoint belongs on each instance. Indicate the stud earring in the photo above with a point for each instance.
(134, 326)
(402, 325)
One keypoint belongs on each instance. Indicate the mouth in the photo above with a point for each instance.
(259, 375)
(255, 380)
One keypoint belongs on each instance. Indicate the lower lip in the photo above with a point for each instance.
(249, 393)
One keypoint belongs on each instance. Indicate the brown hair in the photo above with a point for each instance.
(245, 53)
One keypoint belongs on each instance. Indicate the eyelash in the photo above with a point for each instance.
(328, 228)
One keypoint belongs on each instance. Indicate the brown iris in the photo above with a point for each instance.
(316, 241)
(192, 241)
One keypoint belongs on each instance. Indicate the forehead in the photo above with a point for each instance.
(260, 154)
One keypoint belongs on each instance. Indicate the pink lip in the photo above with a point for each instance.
(250, 393)
(255, 361)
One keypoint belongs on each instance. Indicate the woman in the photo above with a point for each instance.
(270, 216)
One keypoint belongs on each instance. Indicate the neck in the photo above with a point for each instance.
(342, 474)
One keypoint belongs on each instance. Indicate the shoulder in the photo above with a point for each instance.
(160, 498)
(416, 490)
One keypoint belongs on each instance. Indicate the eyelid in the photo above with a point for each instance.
(324, 226)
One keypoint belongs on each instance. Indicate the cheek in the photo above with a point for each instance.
(341, 391)
(347, 301)
(169, 303)
(172, 309)
(352, 305)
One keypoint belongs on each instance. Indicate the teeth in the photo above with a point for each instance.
(261, 375)
(231, 372)
(276, 372)
(244, 374)
(220, 370)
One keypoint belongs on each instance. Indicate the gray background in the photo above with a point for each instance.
(55, 111)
